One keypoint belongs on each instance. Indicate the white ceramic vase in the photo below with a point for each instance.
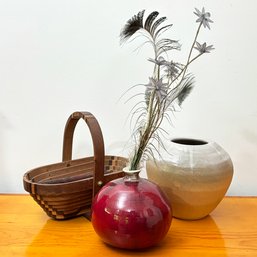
(195, 177)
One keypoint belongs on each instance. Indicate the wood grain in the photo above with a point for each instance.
(25, 230)
(65, 189)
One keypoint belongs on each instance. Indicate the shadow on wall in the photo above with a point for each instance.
(4, 126)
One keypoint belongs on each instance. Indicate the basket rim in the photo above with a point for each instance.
(30, 186)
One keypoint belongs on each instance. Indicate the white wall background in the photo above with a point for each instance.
(59, 56)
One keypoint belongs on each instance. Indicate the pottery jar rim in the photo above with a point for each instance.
(188, 141)
(198, 149)
(193, 144)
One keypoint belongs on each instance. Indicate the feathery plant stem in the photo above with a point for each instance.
(183, 71)
(192, 47)
(169, 84)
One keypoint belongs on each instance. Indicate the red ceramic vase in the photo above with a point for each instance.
(131, 213)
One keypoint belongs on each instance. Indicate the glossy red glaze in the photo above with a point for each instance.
(131, 215)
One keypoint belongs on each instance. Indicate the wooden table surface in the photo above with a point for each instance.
(25, 230)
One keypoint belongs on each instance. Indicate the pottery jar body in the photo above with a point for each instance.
(195, 177)
(131, 213)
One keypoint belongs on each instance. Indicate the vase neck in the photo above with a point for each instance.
(131, 175)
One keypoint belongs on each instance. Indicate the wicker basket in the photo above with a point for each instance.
(65, 190)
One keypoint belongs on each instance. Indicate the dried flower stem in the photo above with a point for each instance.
(164, 86)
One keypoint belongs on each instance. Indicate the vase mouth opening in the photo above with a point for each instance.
(189, 141)
(129, 171)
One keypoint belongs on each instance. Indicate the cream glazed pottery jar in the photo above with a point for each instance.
(195, 178)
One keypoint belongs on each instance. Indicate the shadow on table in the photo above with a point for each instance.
(76, 237)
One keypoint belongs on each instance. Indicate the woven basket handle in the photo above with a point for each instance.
(98, 144)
